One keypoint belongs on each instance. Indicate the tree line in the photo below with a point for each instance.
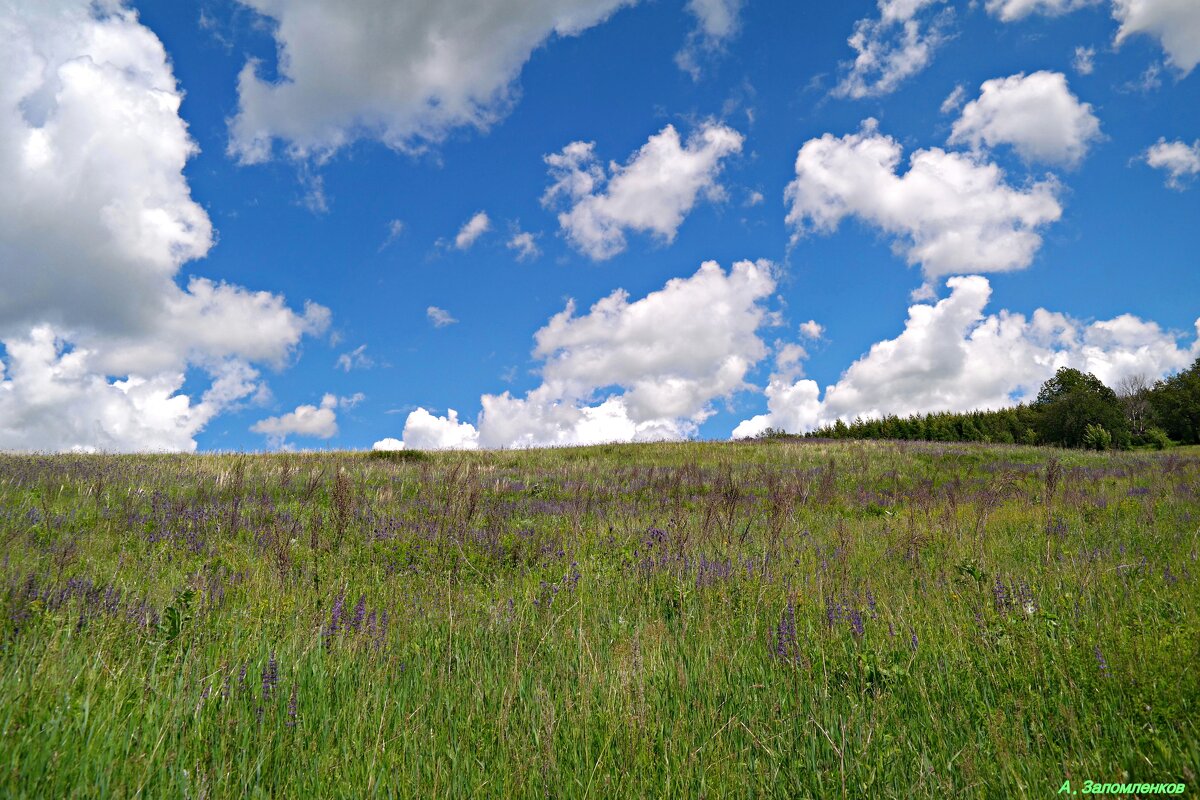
(1072, 409)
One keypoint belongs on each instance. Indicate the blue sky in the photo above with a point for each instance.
(1048, 215)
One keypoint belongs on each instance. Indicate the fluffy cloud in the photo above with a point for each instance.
(440, 317)
(471, 230)
(212, 321)
(954, 100)
(790, 358)
(1084, 60)
(953, 357)
(716, 22)
(1180, 160)
(525, 244)
(318, 422)
(355, 359)
(52, 399)
(626, 371)
(716, 19)
(539, 420)
(96, 220)
(671, 353)
(1036, 114)
(402, 73)
(652, 192)
(954, 212)
(424, 431)
(812, 329)
(96, 211)
(673, 350)
(892, 48)
(1175, 23)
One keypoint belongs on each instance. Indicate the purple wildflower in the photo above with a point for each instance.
(1101, 662)
(335, 618)
(1000, 596)
(856, 622)
(785, 633)
(270, 677)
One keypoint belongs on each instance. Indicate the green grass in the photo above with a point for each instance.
(600, 622)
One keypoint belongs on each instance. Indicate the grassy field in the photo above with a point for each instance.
(791, 619)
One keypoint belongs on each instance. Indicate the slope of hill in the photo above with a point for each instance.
(776, 618)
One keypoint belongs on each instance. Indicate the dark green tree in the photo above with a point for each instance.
(1175, 403)
(1072, 400)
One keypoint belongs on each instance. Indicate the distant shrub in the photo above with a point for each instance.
(400, 455)
(1096, 437)
(770, 434)
(1157, 438)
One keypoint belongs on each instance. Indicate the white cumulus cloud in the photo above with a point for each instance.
(954, 100)
(653, 192)
(812, 329)
(440, 317)
(1175, 23)
(403, 73)
(892, 48)
(471, 230)
(425, 431)
(1180, 160)
(627, 370)
(717, 21)
(952, 356)
(1036, 114)
(525, 245)
(52, 400)
(1084, 60)
(318, 422)
(355, 359)
(951, 212)
(96, 220)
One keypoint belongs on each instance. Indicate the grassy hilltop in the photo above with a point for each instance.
(799, 619)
